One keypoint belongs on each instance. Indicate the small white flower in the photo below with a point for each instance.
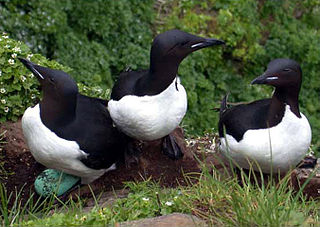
(99, 90)
(0, 39)
(33, 96)
(29, 56)
(2, 90)
(0, 73)
(5, 36)
(17, 49)
(3, 101)
(6, 109)
(145, 199)
(23, 78)
(11, 61)
(31, 75)
(14, 55)
(7, 46)
(175, 197)
(168, 203)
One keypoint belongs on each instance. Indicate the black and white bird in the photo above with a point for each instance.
(149, 104)
(68, 131)
(269, 132)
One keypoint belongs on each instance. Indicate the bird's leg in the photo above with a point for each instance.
(171, 148)
(132, 153)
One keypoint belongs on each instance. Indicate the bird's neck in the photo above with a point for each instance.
(279, 100)
(157, 79)
(163, 78)
(57, 113)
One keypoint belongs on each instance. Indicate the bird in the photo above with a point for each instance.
(68, 131)
(270, 135)
(149, 104)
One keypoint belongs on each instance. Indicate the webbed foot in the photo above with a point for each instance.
(171, 148)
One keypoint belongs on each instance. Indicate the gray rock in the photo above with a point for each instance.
(106, 199)
(171, 220)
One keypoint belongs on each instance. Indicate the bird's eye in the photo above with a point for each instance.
(184, 43)
(287, 70)
(51, 79)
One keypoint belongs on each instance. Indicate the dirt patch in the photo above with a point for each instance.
(20, 168)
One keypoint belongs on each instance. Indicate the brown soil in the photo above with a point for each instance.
(20, 168)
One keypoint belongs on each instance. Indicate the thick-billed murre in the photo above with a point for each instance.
(150, 104)
(269, 132)
(68, 131)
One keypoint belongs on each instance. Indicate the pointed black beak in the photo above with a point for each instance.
(264, 79)
(32, 67)
(260, 79)
(207, 43)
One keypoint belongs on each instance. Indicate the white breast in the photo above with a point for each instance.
(150, 117)
(285, 144)
(54, 152)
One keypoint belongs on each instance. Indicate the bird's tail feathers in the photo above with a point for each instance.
(223, 106)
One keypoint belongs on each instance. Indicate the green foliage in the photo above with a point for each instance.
(255, 33)
(19, 89)
(146, 199)
(216, 197)
(221, 200)
(96, 38)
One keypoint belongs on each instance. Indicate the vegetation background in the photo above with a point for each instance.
(96, 40)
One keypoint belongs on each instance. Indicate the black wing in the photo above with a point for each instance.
(238, 119)
(126, 83)
(93, 130)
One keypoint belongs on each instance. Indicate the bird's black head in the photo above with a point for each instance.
(172, 46)
(55, 84)
(281, 73)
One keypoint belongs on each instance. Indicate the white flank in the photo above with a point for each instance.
(54, 152)
(289, 140)
(150, 117)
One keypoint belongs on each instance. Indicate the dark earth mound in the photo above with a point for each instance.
(20, 168)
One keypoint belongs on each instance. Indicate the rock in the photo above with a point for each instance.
(175, 219)
(106, 199)
(300, 175)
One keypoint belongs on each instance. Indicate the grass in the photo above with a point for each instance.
(216, 197)
(225, 202)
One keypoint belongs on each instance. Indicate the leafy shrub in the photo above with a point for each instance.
(19, 89)
(96, 38)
